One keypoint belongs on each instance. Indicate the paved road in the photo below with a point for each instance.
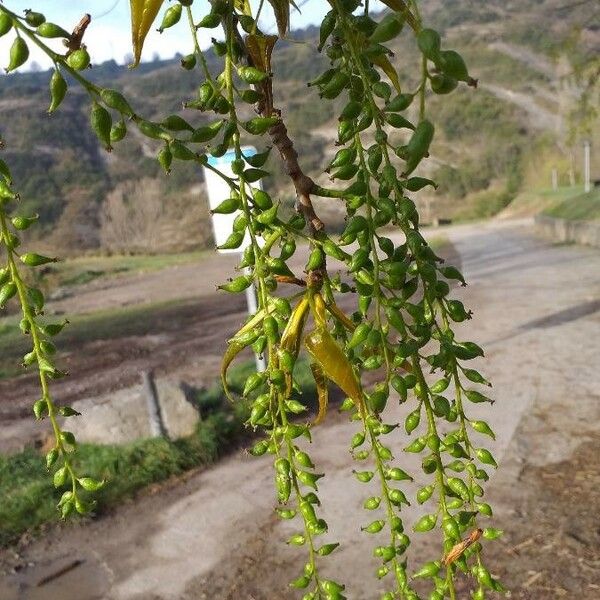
(537, 315)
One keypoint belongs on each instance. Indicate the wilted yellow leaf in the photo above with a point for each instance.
(322, 391)
(327, 353)
(143, 14)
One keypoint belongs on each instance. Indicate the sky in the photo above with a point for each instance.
(109, 34)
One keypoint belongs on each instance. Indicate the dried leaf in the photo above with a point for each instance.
(281, 9)
(143, 14)
(260, 48)
(322, 391)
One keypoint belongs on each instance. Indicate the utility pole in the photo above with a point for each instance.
(587, 184)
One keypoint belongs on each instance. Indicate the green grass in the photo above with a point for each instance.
(29, 498)
(535, 201)
(77, 271)
(583, 207)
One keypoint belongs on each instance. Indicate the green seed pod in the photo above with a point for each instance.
(31, 259)
(117, 101)
(386, 553)
(118, 131)
(425, 493)
(327, 549)
(397, 497)
(89, 484)
(343, 157)
(357, 440)
(36, 297)
(51, 30)
(412, 421)
(239, 284)
(34, 19)
(327, 27)
(397, 474)
(315, 260)
(335, 85)
(459, 487)
(51, 458)
(374, 527)
(309, 479)
(171, 17)
(351, 110)
(165, 158)
(101, 123)
(19, 53)
(40, 409)
(22, 223)
(181, 151)
(209, 21)
(261, 199)
(453, 65)
(79, 60)
(399, 103)
(364, 476)
(188, 62)
(425, 523)
(483, 427)
(451, 528)
(58, 90)
(399, 122)
(389, 27)
(430, 569)
(268, 216)
(260, 125)
(417, 445)
(5, 24)
(251, 75)
(359, 336)
(382, 90)
(486, 457)
(429, 43)
(228, 206)
(60, 477)
(442, 84)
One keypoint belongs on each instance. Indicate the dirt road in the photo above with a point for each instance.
(214, 536)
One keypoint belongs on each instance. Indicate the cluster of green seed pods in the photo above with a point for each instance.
(400, 336)
(14, 286)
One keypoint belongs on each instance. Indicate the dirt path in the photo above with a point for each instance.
(214, 537)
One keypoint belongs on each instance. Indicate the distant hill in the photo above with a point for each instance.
(521, 51)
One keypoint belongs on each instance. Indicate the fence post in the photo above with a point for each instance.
(157, 426)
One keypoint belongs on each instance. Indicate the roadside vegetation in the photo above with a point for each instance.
(29, 497)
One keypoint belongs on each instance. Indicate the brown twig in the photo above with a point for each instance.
(280, 138)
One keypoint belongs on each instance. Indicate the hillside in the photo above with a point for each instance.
(519, 51)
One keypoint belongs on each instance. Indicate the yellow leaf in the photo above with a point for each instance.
(322, 391)
(386, 66)
(233, 349)
(292, 334)
(235, 345)
(243, 6)
(325, 351)
(143, 14)
(341, 316)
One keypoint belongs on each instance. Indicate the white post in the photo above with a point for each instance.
(586, 167)
(261, 363)
(554, 179)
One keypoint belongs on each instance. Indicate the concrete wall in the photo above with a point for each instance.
(564, 230)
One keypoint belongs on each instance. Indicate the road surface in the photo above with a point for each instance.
(536, 313)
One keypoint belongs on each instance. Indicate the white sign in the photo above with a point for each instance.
(219, 190)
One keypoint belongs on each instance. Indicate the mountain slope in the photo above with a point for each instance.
(519, 51)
